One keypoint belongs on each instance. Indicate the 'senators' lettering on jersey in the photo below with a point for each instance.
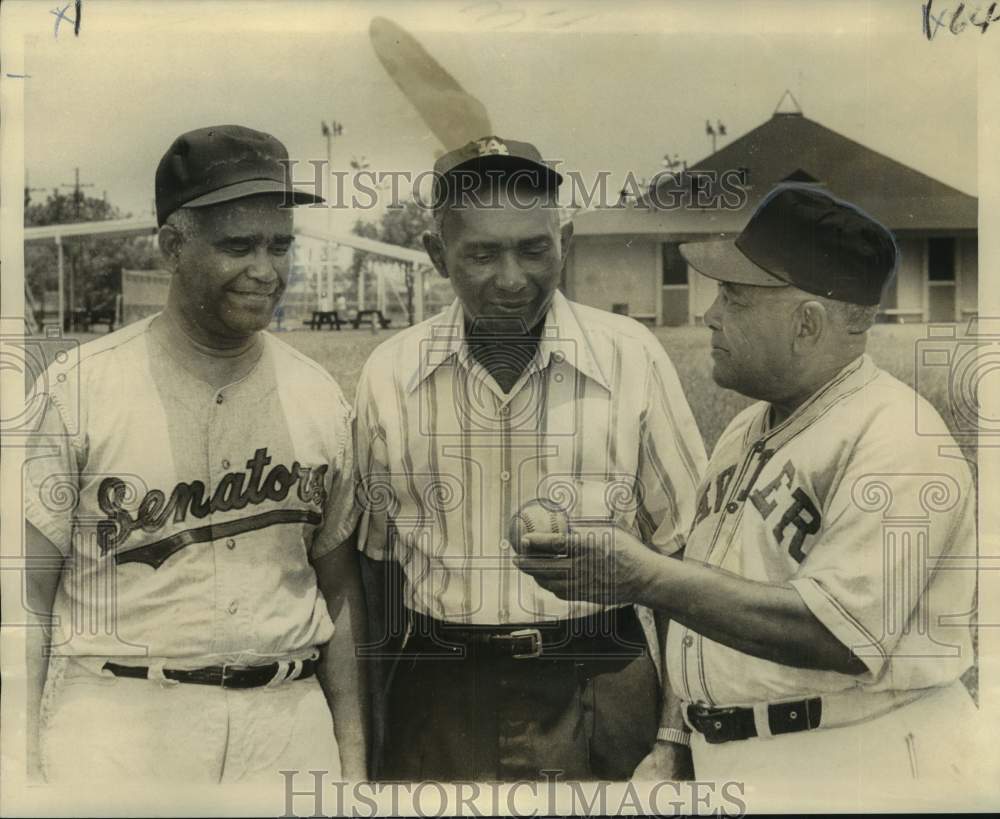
(156, 509)
(188, 516)
(833, 502)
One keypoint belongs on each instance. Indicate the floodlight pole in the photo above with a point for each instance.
(59, 269)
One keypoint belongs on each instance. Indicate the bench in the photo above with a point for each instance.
(901, 315)
(371, 315)
(330, 318)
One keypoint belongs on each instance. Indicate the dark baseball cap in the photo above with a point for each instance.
(219, 164)
(493, 155)
(801, 235)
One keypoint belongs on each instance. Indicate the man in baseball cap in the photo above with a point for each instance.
(213, 476)
(808, 642)
(514, 398)
(221, 164)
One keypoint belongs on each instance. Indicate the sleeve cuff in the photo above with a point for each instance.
(42, 521)
(844, 626)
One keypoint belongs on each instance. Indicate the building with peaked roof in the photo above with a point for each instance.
(626, 258)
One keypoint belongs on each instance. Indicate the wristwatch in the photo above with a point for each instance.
(675, 735)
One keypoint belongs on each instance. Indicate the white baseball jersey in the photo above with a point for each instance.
(597, 423)
(866, 519)
(187, 514)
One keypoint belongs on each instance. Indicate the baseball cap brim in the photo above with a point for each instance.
(722, 260)
(252, 187)
(539, 173)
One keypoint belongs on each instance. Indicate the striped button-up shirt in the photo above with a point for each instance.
(597, 422)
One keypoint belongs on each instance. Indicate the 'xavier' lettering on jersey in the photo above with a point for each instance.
(234, 491)
(800, 515)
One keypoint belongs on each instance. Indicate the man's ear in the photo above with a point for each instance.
(566, 231)
(435, 249)
(170, 241)
(812, 322)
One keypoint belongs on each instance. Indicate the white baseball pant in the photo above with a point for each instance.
(97, 728)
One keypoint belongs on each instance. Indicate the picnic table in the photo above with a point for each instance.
(371, 315)
(330, 318)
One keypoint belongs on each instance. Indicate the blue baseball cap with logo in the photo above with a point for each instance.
(492, 158)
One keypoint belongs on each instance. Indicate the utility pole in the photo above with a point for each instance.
(77, 196)
(334, 129)
(28, 190)
(77, 201)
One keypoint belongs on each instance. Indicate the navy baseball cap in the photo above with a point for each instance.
(493, 155)
(219, 164)
(803, 236)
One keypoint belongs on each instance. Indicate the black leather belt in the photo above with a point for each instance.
(226, 676)
(730, 724)
(614, 633)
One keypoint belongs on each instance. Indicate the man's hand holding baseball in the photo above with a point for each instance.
(603, 564)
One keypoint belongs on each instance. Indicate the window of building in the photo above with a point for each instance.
(675, 269)
(941, 259)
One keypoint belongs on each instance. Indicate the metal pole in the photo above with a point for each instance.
(330, 301)
(59, 268)
(418, 293)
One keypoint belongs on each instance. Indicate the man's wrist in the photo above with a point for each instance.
(674, 735)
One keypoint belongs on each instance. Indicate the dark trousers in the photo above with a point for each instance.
(587, 715)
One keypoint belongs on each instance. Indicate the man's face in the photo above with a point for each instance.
(751, 339)
(504, 262)
(233, 271)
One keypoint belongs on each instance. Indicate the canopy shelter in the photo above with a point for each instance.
(147, 226)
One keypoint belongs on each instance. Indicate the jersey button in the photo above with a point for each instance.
(230, 544)
(233, 607)
(505, 544)
(218, 398)
(505, 410)
(688, 641)
(505, 475)
(732, 507)
(225, 464)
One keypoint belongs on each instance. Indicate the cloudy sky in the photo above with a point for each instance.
(600, 86)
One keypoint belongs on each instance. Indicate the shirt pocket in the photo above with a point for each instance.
(594, 501)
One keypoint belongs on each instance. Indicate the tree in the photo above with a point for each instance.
(403, 226)
(93, 263)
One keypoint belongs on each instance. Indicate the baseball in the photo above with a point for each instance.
(539, 516)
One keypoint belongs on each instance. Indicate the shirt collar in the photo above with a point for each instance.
(849, 380)
(563, 340)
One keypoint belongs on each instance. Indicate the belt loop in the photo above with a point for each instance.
(762, 719)
(280, 674)
(684, 714)
(155, 673)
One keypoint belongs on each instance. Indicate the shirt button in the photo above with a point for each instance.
(505, 410)
(505, 475)
(758, 447)
(505, 544)
(230, 544)
(233, 607)
(225, 464)
(218, 398)
(688, 641)
(558, 358)
(732, 507)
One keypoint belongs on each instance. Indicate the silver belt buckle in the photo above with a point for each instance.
(536, 642)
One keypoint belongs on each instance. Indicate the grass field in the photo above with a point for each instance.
(893, 348)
